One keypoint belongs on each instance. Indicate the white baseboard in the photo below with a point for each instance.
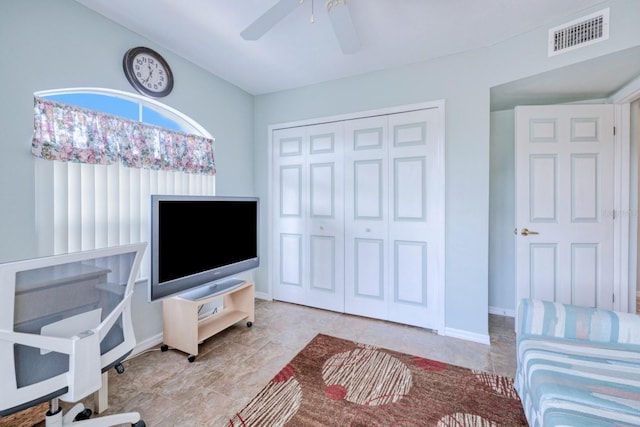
(146, 344)
(502, 311)
(468, 336)
(263, 295)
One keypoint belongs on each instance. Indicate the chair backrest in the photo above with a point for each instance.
(63, 320)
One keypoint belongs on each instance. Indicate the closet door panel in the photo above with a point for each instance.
(322, 190)
(325, 219)
(309, 216)
(366, 213)
(369, 269)
(289, 232)
(410, 279)
(322, 264)
(368, 189)
(416, 225)
(409, 179)
(290, 190)
(291, 250)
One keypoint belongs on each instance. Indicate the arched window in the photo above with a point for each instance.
(128, 105)
(82, 206)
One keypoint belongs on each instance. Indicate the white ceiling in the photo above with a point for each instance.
(297, 52)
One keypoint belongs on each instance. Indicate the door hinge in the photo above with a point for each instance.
(613, 298)
(614, 131)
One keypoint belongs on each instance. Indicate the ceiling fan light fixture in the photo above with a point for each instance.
(331, 3)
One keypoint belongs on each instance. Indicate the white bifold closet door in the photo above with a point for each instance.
(359, 216)
(309, 216)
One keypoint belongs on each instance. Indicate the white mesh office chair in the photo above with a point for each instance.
(64, 320)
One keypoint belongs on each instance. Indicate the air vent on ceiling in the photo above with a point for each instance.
(581, 32)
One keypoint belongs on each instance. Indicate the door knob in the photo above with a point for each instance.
(526, 232)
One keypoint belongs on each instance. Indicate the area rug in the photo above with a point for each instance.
(30, 417)
(335, 382)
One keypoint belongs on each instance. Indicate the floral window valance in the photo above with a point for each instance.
(70, 133)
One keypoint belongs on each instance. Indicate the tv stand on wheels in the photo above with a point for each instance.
(182, 328)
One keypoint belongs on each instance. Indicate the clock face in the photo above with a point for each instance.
(148, 72)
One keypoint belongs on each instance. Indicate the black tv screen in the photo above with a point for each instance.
(197, 241)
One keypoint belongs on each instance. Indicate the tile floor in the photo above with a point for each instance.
(234, 365)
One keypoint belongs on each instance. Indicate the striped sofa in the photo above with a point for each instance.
(577, 366)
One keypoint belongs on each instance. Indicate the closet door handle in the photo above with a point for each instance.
(527, 232)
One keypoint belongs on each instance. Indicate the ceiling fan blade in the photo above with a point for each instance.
(267, 20)
(344, 29)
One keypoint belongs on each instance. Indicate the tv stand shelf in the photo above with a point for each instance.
(183, 330)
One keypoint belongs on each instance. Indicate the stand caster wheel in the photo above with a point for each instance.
(164, 347)
(249, 324)
(119, 368)
(84, 415)
(191, 358)
(139, 424)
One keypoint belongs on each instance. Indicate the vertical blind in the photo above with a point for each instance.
(83, 205)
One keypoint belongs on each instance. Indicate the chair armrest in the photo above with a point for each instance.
(59, 345)
(84, 376)
(85, 373)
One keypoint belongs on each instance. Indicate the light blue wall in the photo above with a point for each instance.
(464, 82)
(502, 291)
(48, 44)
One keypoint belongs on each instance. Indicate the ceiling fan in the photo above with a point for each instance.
(338, 15)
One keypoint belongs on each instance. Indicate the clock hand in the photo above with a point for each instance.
(149, 76)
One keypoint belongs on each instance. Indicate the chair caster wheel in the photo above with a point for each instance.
(139, 424)
(191, 358)
(164, 348)
(249, 324)
(119, 368)
(84, 415)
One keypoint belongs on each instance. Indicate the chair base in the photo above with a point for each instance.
(56, 418)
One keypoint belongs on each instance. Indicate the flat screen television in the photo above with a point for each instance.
(197, 243)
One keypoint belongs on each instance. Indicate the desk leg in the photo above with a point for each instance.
(101, 397)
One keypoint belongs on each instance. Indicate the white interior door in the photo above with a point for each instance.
(325, 219)
(416, 218)
(565, 204)
(394, 217)
(309, 212)
(289, 213)
(366, 217)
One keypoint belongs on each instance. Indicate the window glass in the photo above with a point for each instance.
(105, 103)
(154, 118)
(118, 107)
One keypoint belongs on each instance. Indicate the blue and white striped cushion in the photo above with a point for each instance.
(578, 366)
(561, 382)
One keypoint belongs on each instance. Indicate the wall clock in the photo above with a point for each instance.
(148, 72)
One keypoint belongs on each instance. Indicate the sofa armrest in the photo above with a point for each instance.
(564, 321)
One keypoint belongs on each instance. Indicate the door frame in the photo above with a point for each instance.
(625, 245)
(439, 104)
(621, 202)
